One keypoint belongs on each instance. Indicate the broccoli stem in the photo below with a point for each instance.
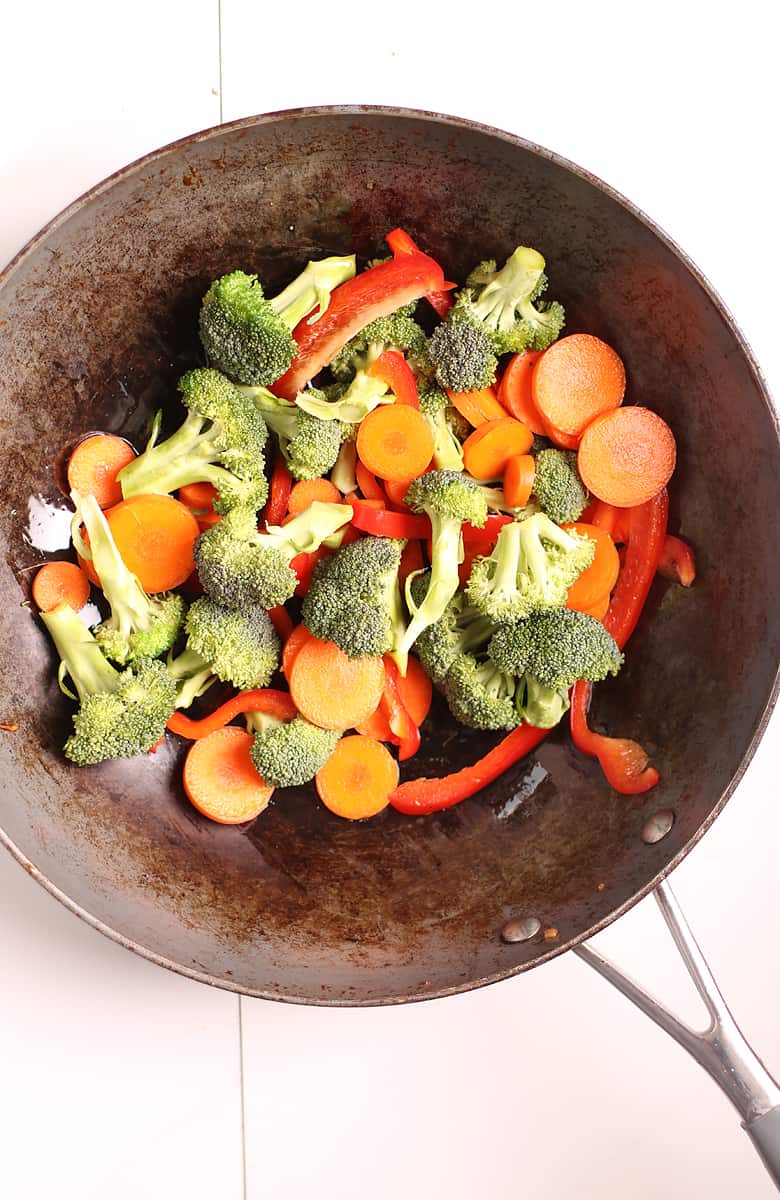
(312, 289)
(187, 456)
(130, 607)
(342, 474)
(447, 557)
(447, 454)
(192, 675)
(81, 656)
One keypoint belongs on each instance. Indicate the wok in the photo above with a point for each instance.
(97, 320)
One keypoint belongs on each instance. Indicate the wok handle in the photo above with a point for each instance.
(720, 1048)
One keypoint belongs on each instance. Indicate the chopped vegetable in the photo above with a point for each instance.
(332, 690)
(155, 536)
(677, 561)
(575, 380)
(487, 450)
(354, 600)
(94, 465)
(477, 406)
(519, 477)
(58, 583)
(596, 581)
(515, 394)
(627, 456)
(308, 490)
(290, 753)
(557, 485)
(358, 778)
(395, 442)
(220, 778)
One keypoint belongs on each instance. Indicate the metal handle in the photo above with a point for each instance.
(720, 1048)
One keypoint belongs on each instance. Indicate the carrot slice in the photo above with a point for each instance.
(564, 441)
(477, 407)
(332, 690)
(396, 490)
(358, 778)
(297, 638)
(519, 476)
(395, 442)
(155, 535)
(598, 610)
(60, 583)
(597, 580)
(199, 497)
(221, 780)
(416, 692)
(487, 449)
(627, 456)
(95, 464)
(575, 379)
(303, 494)
(514, 391)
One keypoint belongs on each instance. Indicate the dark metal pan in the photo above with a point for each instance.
(97, 317)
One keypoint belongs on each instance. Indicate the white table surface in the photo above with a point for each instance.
(119, 1079)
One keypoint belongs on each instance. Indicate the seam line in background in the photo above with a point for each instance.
(241, 1090)
(219, 85)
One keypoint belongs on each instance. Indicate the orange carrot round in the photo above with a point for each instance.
(598, 610)
(597, 580)
(575, 379)
(396, 490)
(155, 535)
(95, 464)
(519, 476)
(199, 497)
(395, 442)
(477, 407)
(303, 494)
(564, 441)
(221, 780)
(416, 692)
(293, 644)
(358, 778)
(487, 449)
(627, 456)
(514, 391)
(332, 690)
(60, 583)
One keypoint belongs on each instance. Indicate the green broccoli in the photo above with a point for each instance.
(462, 352)
(291, 753)
(140, 626)
(309, 444)
(242, 648)
(249, 337)
(558, 487)
(557, 648)
(121, 713)
(539, 705)
(362, 395)
(531, 568)
(221, 441)
(459, 630)
(447, 451)
(449, 498)
(479, 694)
(502, 302)
(240, 567)
(394, 332)
(354, 600)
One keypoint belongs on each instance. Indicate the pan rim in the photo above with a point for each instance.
(412, 114)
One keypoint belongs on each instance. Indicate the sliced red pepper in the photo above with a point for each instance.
(624, 762)
(303, 564)
(265, 700)
(677, 561)
(411, 560)
(397, 714)
(393, 369)
(371, 294)
(278, 493)
(489, 532)
(614, 521)
(369, 484)
(420, 796)
(281, 621)
(400, 242)
(381, 522)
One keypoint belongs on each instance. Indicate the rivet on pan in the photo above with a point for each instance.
(520, 929)
(657, 826)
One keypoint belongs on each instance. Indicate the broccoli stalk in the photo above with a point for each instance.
(447, 451)
(459, 630)
(192, 674)
(221, 441)
(480, 695)
(121, 713)
(343, 474)
(140, 626)
(310, 445)
(249, 337)
(240, 568)
(539, 705)
(364, 394)
(448, 498)
(289, 754)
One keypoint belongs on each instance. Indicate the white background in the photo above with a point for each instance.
(118, 1079)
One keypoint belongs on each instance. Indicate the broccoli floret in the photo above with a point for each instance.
(249, 337)
(394, 332)
(449, 498)
(480, 695)
(363, 395)
(462, 352)
(343, 474)
(310, 445)
(240, 567)
(539, 705)
(222, 442)
(531, 568)
(140, 626)
(447, 451)
(459, 630)
(121, 713)
(354, 600)
(557, 648)
(503, 303)
(242, 648)
(558, 487)
(291, 754)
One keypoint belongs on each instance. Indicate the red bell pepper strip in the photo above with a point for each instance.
(624, 762)
(371, 294)
(369, 484)
(411, 560)
(677, 561)
(278, 493)
(407, 734)
(266, 700)
(381, 522)
(281, 621)
(489, 532)
(400, 242)
(614, 521)
(420, 796)
(303, 564)
(395, 371)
